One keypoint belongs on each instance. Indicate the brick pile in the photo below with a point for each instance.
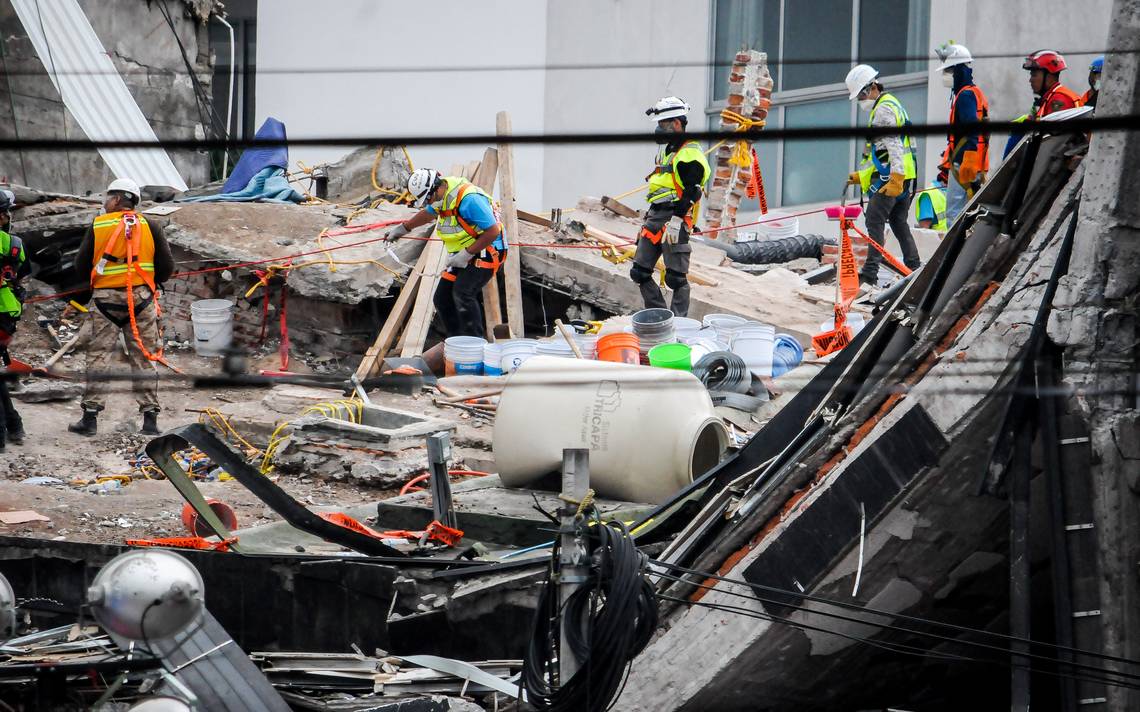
(750, 95)
(858, 246)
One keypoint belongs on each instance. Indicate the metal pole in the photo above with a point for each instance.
(573, 559)
(439, 453)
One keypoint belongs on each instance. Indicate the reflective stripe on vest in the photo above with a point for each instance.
(11, 258)
(952, 155)
(1044, 109)
(110, 255)
(871, 163)
(665, 183)
(456, 232)
(938, 205)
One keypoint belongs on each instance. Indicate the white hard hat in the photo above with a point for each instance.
(952, 55)
(669, 107)
(858, 78)
(126, 185)
(421, 184)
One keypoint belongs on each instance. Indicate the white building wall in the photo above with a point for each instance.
(332, 37)
(661, 34)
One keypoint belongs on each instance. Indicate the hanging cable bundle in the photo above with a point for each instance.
(611, 619)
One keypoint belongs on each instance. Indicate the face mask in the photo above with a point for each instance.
(1095, 85)
(662, 135)
(948, 80)
(866, 104)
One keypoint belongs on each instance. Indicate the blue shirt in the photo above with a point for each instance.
(925, 208)
(476, 210)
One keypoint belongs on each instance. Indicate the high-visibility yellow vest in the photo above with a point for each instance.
(665, 183)
(112, 231)
(937, 203)
(879, 163)
(11, 259)
(456, 232)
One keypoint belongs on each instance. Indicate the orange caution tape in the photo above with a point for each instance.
(848, 271)
(185, 542)
(434, 531)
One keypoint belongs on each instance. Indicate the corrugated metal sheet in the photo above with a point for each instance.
(93, 91)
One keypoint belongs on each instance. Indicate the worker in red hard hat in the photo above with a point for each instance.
(1045, 67)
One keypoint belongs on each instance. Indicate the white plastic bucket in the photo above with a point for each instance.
(493, 359)
(557, 347)
(686, 327)
(213, 324)
(587, 344)
(724, 325)
(515, 352)
(777, 225)
(854, 320)
(702, 346)
(463, 355)
(754, 344)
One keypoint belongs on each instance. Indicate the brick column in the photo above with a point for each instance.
(750, 95)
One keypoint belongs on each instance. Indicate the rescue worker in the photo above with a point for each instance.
(967, 157)
(472, 232)
(1050, 95)
(679, 175)
(13, 267)
(930, 208)
(122, 245)
(1096, 68)
(887, 170)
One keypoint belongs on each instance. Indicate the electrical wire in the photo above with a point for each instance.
(1081, 125)
(885, 614)
(609, 620)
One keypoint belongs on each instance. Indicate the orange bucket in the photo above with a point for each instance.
(619, 348)
(199, 528)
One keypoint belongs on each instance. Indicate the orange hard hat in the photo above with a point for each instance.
(1049, 60)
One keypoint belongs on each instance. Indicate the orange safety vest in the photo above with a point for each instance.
(112, 233)
(1051, 97)
(951, 153)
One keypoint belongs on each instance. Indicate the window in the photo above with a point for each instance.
(810, 47)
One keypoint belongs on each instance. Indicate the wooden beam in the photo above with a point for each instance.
(513, 267)
(534, 218)
(618, 208)
(695, 276)
(492, 306)
(394, 324)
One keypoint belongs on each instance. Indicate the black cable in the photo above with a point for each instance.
(987, 661)
(611, 619)
(885, 614)
(911, 631)
(678, 64)
(1082, 125)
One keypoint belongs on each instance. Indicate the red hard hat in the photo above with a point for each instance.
(1046, 59)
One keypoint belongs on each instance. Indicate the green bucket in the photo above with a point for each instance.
(678, 356)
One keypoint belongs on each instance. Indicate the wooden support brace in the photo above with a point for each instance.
(513, 267)
(485, 179)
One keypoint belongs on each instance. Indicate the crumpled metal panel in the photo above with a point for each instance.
(93, 91)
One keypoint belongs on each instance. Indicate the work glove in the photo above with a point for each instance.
(459, 260)
(893, 188)
(396, 233)
(673, 229)
(853, 179)
(968, 171)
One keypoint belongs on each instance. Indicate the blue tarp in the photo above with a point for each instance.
(269, 185)
(254, 160)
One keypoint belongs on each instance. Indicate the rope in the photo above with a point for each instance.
(742, 150)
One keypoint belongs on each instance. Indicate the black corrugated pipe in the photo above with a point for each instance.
(763, 252)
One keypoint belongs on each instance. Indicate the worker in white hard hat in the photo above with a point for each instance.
(680, 173)
(887, 170)
(967, 156)
(468, 222)
(122, 248)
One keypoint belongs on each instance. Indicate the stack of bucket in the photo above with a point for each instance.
(557, 347)
(463, 355)
(213, 324)
(754, 343)
(493, 359)
(777, 226)
(653, 327)
(515, 352)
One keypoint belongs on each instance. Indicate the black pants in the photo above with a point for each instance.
(881, 210)
(459, 301)
(9, 419)
(676, 259)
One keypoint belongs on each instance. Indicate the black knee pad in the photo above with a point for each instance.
(639, 274)
(675, 280)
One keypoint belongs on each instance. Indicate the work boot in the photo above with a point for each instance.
(150, 422)
(16, 436)
(87, 425)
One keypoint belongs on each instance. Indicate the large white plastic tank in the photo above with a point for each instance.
(649, 431)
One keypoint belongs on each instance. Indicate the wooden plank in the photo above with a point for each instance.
(394, 324)
(492, 306)
(533, 218)
(618, 208)
(513, 267)
(435, 259)
(695, 276)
